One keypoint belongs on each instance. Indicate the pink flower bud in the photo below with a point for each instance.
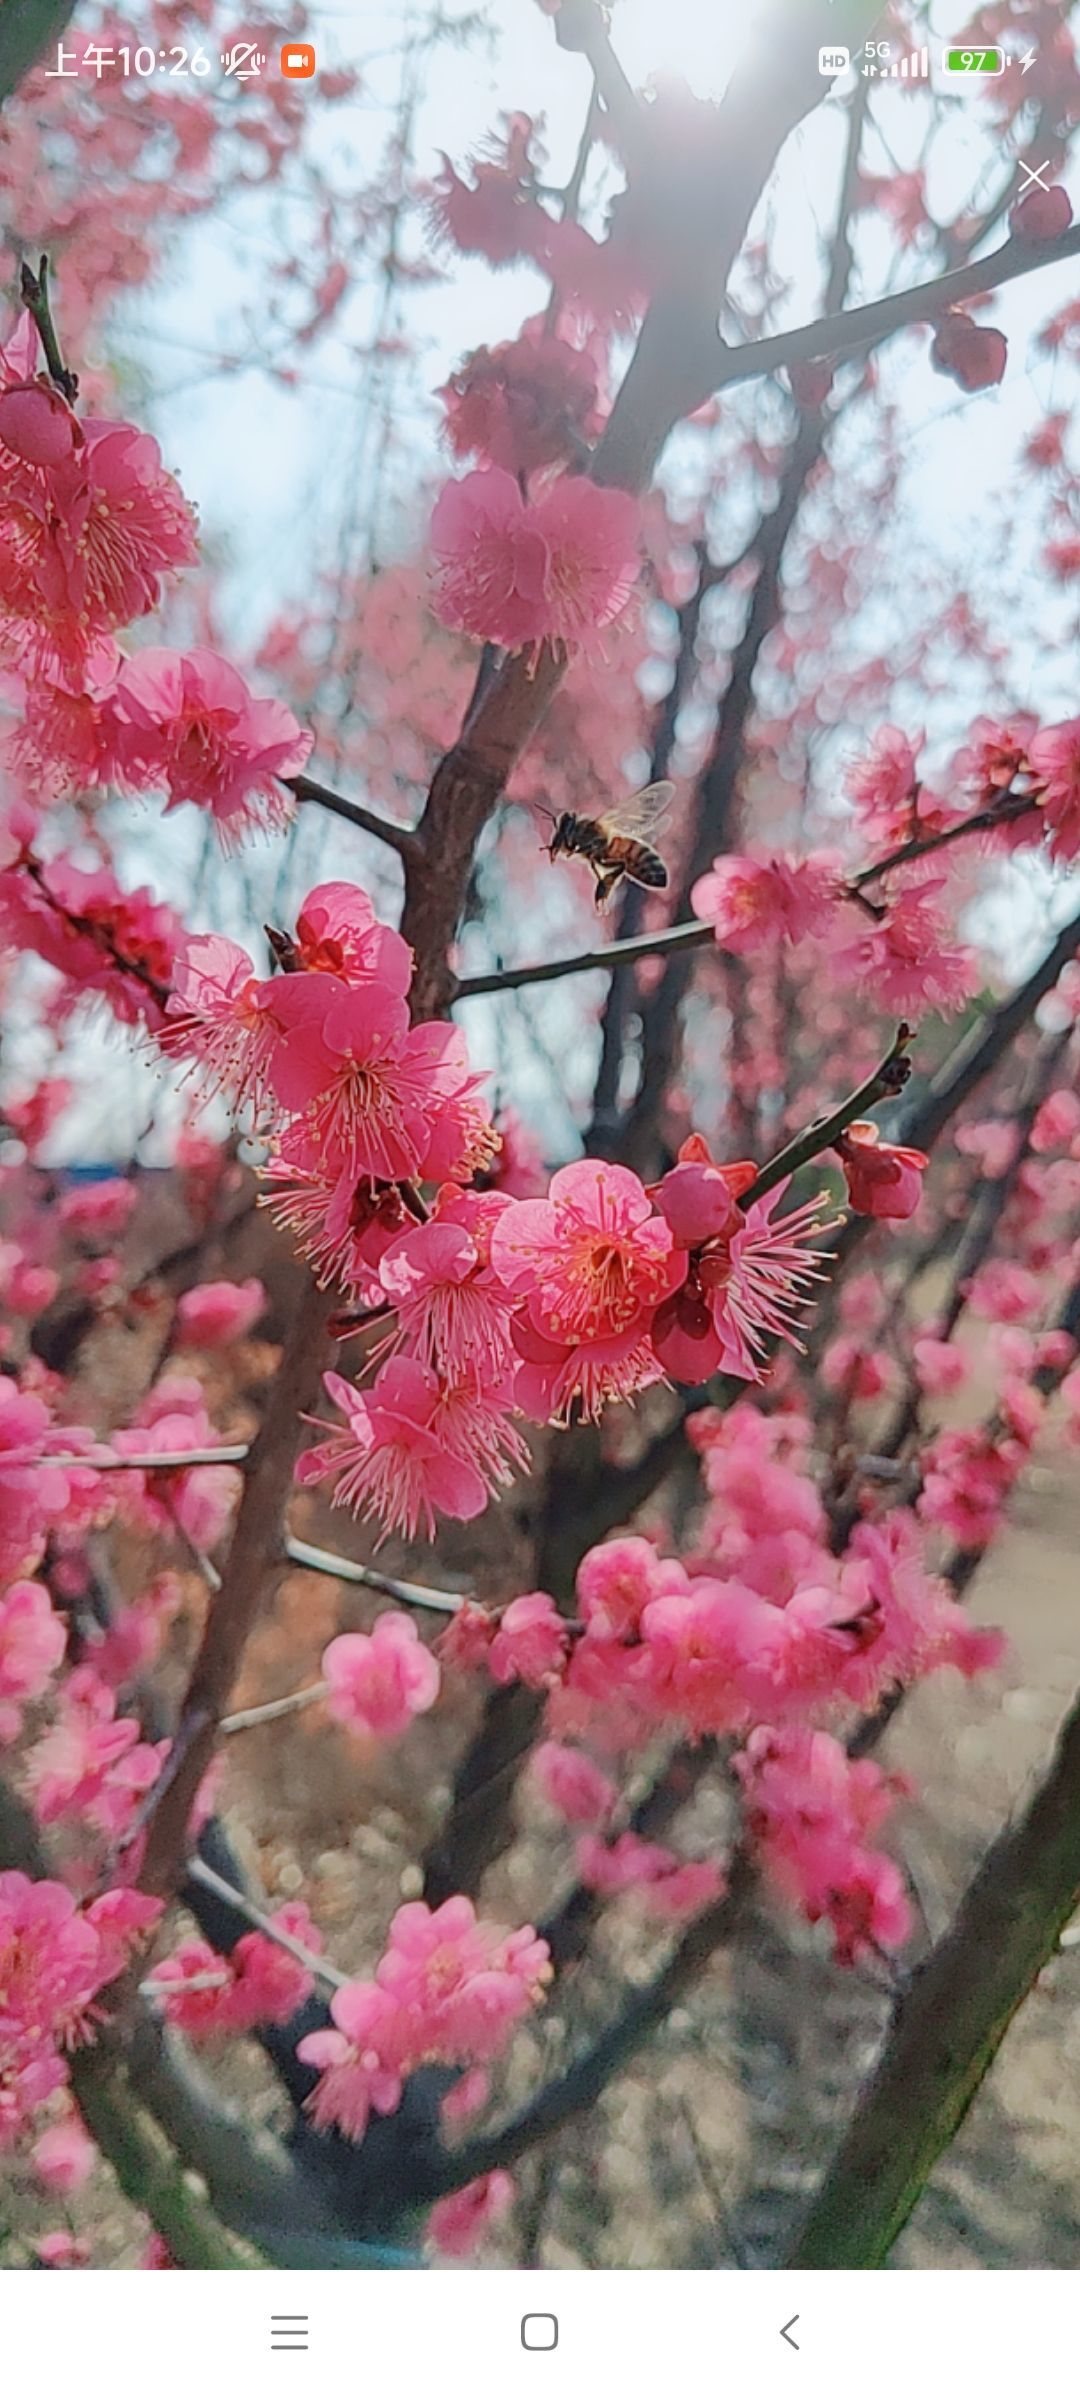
(882, 1179)
(1041, 215)
(974, 355)
(37, 424)
(697, 1202)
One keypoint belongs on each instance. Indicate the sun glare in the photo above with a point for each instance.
(701, 40)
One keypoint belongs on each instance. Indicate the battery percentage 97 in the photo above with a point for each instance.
(974, 62)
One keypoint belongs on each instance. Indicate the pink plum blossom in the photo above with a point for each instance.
(461, 1984)
(1054, 758)
(520, 572)
(389, 1461)
(883, 785)
(64, 2156)
(448, 1988)
(749, 901)
(90, 1764)
(452, 1311)
(1057, 1121)
(738, 1291)
(65, 577)
(32, 1643)
(615, 1582)
(259, 1983)
(882, 1179)
(524, 404)
(589, 1263)
(812, 1810)
(210, 1315)
(491, 561)
(531, 1642)
(190, 723)
(99, 1211)
(347, 1060)
(669, 1887)
(940, 1366)
(338, 933)
(380, 1681)
(214, 1015)
(573, 1784)
(974, 356)
(37, 424)
(354, 2060)
(458, 2224)
(53, 1962)
(909, 960)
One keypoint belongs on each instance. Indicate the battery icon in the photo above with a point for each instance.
(974, 62)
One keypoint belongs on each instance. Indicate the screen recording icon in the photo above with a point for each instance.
(298, 60)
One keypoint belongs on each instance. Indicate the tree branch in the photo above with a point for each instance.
(227, 1454)
(1003, 812)
(395, 837)
(886, 1081)
(852, 329)
(147, 2168)
(199, 1872)
(950, 2025)
(668, 376)
(691, 936)
(348, 1570)
(254, 1553)
(34, 292)
(968, 1064)
(694, 933)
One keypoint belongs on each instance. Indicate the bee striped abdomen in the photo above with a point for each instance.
(644, 866)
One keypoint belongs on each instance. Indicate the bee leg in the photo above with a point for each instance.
(605, 885)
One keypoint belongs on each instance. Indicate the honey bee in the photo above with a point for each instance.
(615, 844)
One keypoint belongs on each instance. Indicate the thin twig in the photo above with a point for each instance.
(348, 1570)
(886, 1081)
(396, 837)
(690, 936)
(199, 1872)
(580, 25)
(230, 1454)
(267, 1710)
(1005, 812)
(710, 2183)
(35, 297)
(177, 1986)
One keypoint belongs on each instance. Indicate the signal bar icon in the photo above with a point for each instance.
(913, 69)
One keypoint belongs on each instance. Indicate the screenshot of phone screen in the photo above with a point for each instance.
(539, 1190)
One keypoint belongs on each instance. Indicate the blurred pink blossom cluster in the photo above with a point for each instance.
(55, 1958)
(449, 1988)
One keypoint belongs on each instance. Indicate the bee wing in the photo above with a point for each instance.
(640, 816)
